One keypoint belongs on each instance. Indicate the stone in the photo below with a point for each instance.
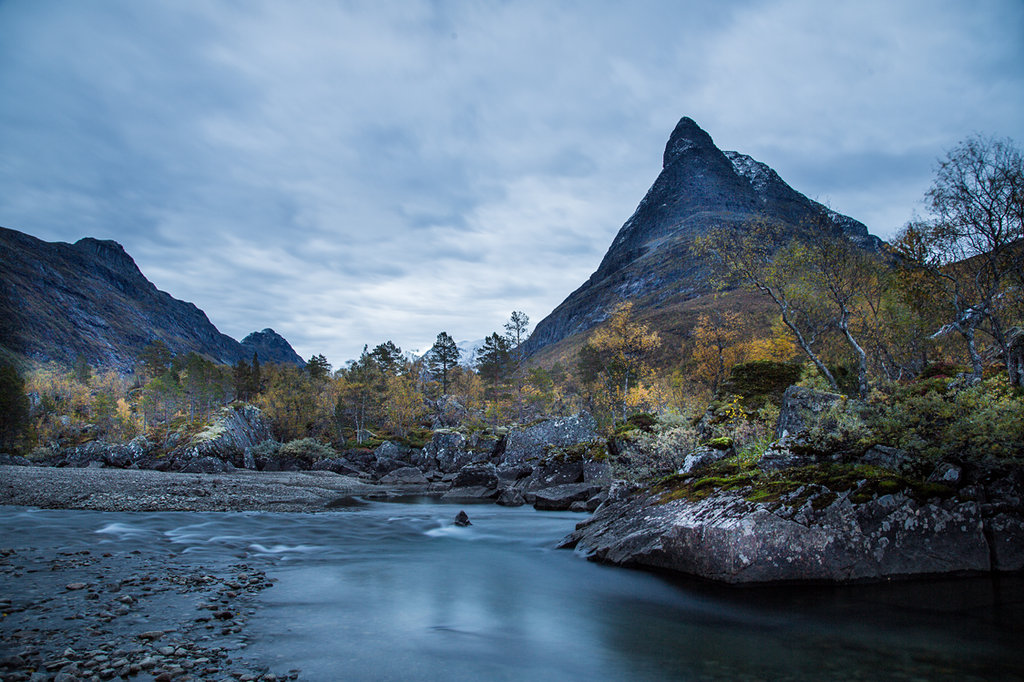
(230, 432)
(14, 460)
(75, 586)
(462, 519)
(510, 497)
(404, 476)
(206, 464)
(391, 451)
(779, 456)
(469, 493)
(561, 497)
(448, 412)
(530, 443)
(481, 475)
(446, 451)
(946, 473)
(886, 457)
(700, 457)
(800, 409)
(730, 539)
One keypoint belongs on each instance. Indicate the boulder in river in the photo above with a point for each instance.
(827, 537)
(462, 519)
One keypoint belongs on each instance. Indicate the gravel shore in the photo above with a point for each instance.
(145, 490)
(95, 615)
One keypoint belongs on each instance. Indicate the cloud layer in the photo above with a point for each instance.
(348, 173)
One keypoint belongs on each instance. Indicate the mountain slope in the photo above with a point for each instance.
(650, 262)
(60, 300)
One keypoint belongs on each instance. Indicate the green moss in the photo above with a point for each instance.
(723, 443)
(596, 450)
(821, 484)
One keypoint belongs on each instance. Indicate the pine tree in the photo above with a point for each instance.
(14, 407)
(443, 355)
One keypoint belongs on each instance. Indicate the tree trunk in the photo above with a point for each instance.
(972, 349)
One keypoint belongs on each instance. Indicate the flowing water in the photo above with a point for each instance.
(395, 591)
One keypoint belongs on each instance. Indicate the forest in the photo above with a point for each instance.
(923, 336)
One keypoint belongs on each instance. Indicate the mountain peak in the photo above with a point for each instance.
(686, 135)
(109, 253)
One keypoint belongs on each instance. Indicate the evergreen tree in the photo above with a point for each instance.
(443, 355)
(255, 375)
(388, 357)
(155, 359)
(494, 359)
(82, 370)
(318, 367)
(14, 407)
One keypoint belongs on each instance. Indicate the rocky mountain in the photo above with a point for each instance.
(60, 300)
(649, 261)
(271, 347)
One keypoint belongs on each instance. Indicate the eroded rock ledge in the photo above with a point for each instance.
(729, 538)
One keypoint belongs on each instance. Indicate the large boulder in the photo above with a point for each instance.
(404, 476)
(230, 432)
(562, 497)
(728, 538)
(391, 451)
(531, 443)
(801, 408)
(446, 452)
(484, 475)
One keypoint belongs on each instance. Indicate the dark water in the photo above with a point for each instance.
(394, 591)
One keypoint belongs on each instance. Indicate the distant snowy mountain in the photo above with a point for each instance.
(467, 352)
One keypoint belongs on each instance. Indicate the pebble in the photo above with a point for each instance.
(75, 586)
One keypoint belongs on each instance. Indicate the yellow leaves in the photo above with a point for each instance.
(403, 404)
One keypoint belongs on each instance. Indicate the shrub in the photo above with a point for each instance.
(651, 455)
(761, 381)
(307, 448)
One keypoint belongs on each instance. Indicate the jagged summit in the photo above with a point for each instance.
(686, 136)
(650, 260)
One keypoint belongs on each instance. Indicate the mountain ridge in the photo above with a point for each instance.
(89, 298)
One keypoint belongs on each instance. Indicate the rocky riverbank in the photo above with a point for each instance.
(93, 615)
(146, 490)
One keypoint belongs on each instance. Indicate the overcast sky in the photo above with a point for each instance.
(351, 172)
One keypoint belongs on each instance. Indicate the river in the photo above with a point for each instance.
(395, 591)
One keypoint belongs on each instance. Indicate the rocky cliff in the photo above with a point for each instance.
(60, 300)
(650, 261)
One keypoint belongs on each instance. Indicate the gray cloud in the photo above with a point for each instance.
(349, 173)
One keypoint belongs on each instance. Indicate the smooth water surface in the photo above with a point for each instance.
(394, 591)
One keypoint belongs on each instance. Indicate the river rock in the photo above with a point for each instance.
(530, 443)
(510, 497)
(483, 475)
(14, 460)
(730, 539)
(462, 519)
(470, 493)
(562, 497)
(405, 476)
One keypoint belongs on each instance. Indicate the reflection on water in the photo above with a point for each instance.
(388, 591)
